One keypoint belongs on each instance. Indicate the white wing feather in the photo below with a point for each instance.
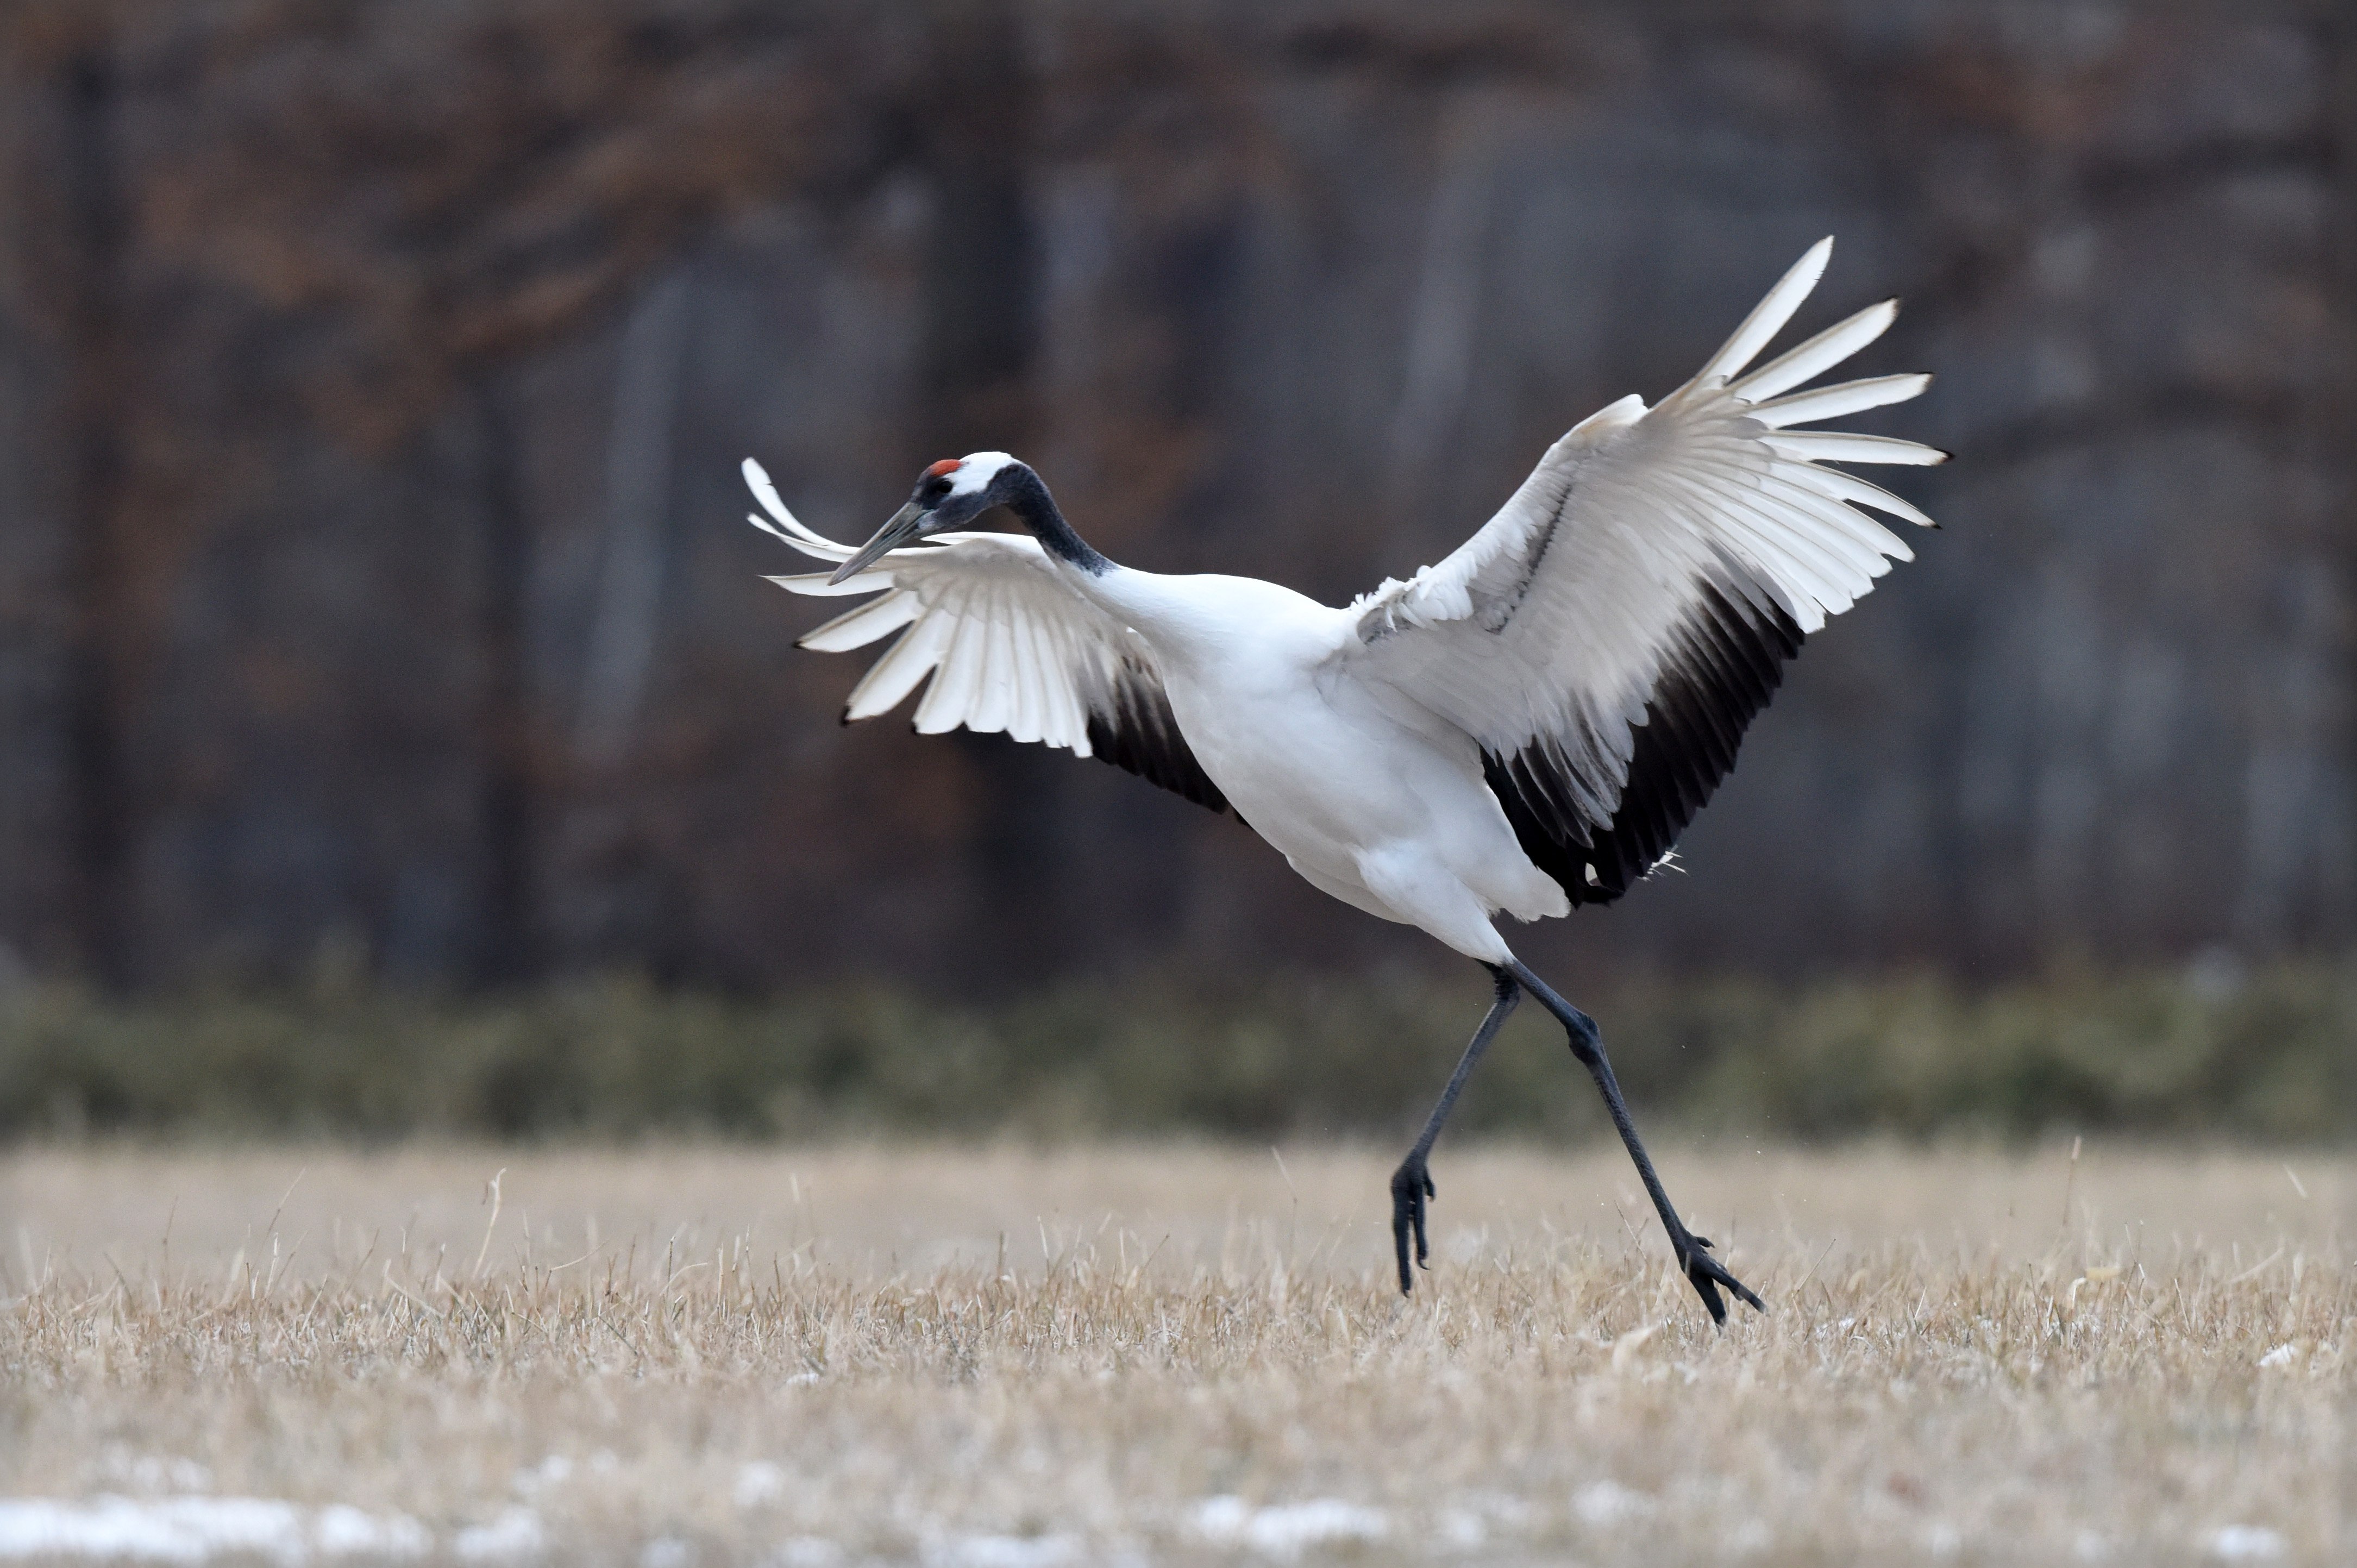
(1009, 646)
(1651, 544)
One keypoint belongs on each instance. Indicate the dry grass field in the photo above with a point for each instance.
(1008, 1358)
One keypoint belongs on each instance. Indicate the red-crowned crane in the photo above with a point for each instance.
(1525, 727)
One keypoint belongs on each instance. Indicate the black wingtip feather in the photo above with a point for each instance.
(1722, 670)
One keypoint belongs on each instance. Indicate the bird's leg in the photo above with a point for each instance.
(1704, 1273)
(1412, 1183)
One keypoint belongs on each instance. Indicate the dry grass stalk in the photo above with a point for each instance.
(1003, 1357)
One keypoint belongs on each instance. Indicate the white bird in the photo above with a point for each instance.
(1523, 728)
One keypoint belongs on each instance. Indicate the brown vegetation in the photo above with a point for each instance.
(997, 1357)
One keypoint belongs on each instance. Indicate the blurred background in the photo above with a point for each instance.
(381, 640)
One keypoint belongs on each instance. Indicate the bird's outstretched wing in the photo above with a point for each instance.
(1608, 634)
(1010, 648)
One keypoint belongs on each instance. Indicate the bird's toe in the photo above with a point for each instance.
(1707, 1275)
(1412, 1189)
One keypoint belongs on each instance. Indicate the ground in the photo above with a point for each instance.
(1008, 1358)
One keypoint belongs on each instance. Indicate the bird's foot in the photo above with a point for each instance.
(1412, 1188)
(1706, 1273)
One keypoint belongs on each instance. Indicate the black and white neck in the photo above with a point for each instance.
(1009, 482)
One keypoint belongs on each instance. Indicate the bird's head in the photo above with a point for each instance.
(949, 495)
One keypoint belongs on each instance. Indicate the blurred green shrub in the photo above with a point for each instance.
(2271, 1056)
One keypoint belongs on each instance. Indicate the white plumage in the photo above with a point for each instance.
(1353, 739)
(1525, 726)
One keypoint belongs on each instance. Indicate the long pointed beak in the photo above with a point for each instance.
(891, 536)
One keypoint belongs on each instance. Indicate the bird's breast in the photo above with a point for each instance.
(1315, 780)
(1336, 782)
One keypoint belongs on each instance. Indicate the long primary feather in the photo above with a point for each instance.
(1768, 317)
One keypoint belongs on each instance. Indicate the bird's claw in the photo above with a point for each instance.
(1412, 1188)
(1706, 1273)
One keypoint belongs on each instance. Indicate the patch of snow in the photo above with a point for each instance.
(517, 1533)
(1462, 1529)
(2091, 1546)
(2281, 1356)
(1003, 1552)
(154, 1473)
(808, 1552)
(1603, 1504)
(1944, 1539)
(199, 1528)
(758, 1483)
(2246, 1544)
(1221, 1517)
(1286, 1529)
(342, 1530)
(667, 1552)
(1468, 1523)
(165, 1530)
(553, 1471)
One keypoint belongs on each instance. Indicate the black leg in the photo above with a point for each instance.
(1412, 1183)
(1704, 1273)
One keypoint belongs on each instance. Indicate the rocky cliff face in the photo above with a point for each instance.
(372, 380)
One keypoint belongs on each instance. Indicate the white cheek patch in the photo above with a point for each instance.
(974, 474)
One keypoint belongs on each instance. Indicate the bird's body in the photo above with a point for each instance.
(1370, 801)
(1523, 727)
